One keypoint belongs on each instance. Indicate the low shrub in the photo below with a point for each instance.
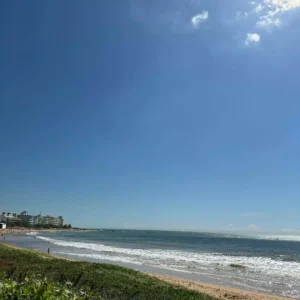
(40, 289)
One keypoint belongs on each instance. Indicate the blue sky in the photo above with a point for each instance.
(163, 114)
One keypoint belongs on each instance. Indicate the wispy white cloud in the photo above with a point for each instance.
(271, 11)
(252, 38)
(199, 18)
(265, 15)
(259, 8)
(174, 16)
(241, 15)
(283, 5)
(267, 22)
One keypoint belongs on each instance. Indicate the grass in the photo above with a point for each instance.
(35, 288)
(108, 281)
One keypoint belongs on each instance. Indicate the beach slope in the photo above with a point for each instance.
(109, 281)
(218, 291)
(115, 282)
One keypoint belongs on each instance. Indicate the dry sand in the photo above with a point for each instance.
(221, 292)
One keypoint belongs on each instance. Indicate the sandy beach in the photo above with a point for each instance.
(221, 292)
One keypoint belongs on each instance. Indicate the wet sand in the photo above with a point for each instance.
(218, 291)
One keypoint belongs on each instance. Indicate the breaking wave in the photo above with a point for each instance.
(181, 259)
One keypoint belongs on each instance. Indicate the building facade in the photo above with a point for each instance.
(31, 219)
(2, 226)
(55, 221)
(60, 221)
(9, 218)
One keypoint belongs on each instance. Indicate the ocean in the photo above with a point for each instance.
(269, 264)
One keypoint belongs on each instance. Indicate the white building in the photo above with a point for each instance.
(61, 221)
(9, 218)
(54, 221)
(27, 218)
(32, 220)
(2, 226)
(51, 220)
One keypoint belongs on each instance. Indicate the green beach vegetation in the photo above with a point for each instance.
(28, 274)
(40, 289)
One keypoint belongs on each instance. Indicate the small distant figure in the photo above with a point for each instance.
(48, 250)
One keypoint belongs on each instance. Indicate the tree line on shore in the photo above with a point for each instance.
(25, 224)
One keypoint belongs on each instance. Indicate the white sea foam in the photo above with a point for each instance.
(291, 238)
(261, 265)
(100, 257)
(272, 237)
(32, 233)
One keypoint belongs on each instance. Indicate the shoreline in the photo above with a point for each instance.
(18, 230)
(220, 291)
(4, 243)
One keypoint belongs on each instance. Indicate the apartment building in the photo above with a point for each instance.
(32, 220)
(9, 218)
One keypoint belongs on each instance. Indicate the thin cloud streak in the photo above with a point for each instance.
(200, 18)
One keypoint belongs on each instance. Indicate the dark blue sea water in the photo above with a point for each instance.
(268, 263)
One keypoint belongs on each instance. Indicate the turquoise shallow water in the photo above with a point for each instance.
(270, 263)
